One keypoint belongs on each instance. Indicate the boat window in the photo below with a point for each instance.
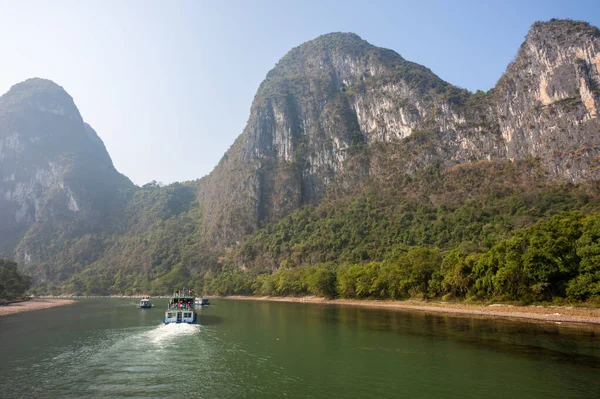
(169, 315)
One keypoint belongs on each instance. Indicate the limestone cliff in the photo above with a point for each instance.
(53, 168)
(546, 104)
(336, 110)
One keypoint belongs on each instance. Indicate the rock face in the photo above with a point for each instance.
(319, 109)
(546, 104)
(333, 107)
(53, 167)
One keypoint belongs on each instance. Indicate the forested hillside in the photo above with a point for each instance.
(478, 231)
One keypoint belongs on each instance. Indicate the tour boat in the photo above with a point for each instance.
(181, 308)
(200, 301)
(145, 303)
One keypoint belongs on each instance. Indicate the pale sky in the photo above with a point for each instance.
(168, 84)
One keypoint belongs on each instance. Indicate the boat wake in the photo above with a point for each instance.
(168, 332)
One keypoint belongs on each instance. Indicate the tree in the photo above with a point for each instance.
(587, 284)
(321, 280)
(12, 283)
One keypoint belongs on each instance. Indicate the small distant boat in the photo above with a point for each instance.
(181, 308)
(200, 301)
(145, 303)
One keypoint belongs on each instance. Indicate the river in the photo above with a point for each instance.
(107, 348)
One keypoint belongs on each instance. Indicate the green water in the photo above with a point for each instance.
(107, 348)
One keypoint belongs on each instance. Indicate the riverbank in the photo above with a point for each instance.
(33, 304)
(555, 314)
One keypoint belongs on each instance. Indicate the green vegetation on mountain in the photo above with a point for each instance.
(553, 260)
(480, 231)
(159, 247)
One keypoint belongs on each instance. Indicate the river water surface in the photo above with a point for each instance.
(107, 348)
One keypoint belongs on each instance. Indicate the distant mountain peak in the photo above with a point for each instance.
(42, 95)
(554, 24)
(35, 86)
(313, 53)
(561, 30)
(349, 37)
(38, 82)
(331, 41)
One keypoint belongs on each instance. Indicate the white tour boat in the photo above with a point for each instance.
(181, 308)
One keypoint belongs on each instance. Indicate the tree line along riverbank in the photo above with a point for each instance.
(555, 260)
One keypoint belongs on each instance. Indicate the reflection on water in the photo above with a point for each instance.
(108, 348)
(571, 343)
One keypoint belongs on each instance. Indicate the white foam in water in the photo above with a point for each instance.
(168, 332)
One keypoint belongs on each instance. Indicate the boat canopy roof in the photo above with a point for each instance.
(175, 296)
(183, 294)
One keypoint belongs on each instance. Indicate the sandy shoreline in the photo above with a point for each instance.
(34, 304)
(555, 314)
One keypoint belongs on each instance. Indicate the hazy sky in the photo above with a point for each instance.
(168, 85)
